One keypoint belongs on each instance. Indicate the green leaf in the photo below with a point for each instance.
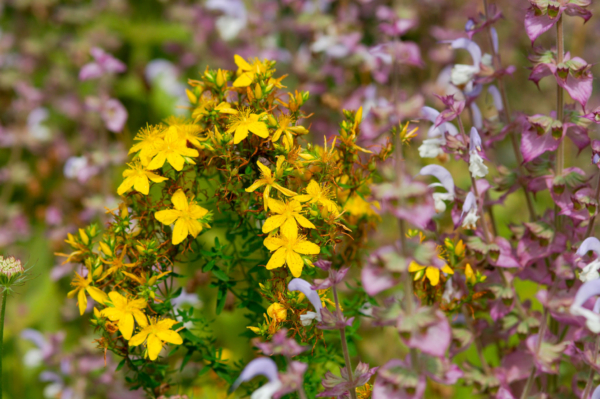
(220, 274)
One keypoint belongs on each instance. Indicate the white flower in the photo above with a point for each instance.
(307, 318)
(470, 221)
(449, 291)
(592, 319)
(431, 148)
(590, 272)
(439, 198)
(33, 358)
(266, 391)
(463, 74)
(476, 165)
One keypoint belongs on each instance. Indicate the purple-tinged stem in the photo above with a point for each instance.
(507, 113)
(590, 380)
(344, 343)
(590, 228)
(560, 152)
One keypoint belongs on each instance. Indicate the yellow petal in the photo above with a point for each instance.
(244, 80)
(273, 222)
(304, 222)
(289, 228)
(265, 171)
(433, 274)
(259, 128)
(168, 216)
(294, 262)
(180, 201)
(117, 299)
(241, 132)
(142, 185)
(176, 161)
(126, 325)
(194, 227)
(415, 267)
(284, 190)
(241, 63)
(170, 336)
(139, 338)
(82, 301)
(97, 294)
(291, 234)
(154, 346)
(273, 243)
(126, 185)
(303, 198)
(447, 269)
(255, 185)
(307, 248)
(277, 259)
(112, 313)
(276, 205)
(158, 161)
(180, 232)
(140, 317)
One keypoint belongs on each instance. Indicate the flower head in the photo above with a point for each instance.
(247, 72)
(288, 246)
(138, 177)
(470, 207)
(173, 149)
(267, 179)
(260, 366)
(189, 217)
(82, 286)
(298, 284)
(146, 140)
(10, 266)
(156, 334)
(244, 122)
(288, 131)
(287, 215)
(124, 311)
(446, 181)
(315, 193)
(476, 165)
(431, 272)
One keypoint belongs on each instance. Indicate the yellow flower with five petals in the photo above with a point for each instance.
(288, 214)
(244, 122)
(147, 139)
(186, 216)
(83, 285)
(173, 149)
(431, 272)
(138, 177)
(155, 335)
(247, 72)
(288, 246)
(124, 311)
(267, 179)
(317, 194)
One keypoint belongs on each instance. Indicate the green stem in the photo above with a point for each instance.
(344, 344)
(4, 297)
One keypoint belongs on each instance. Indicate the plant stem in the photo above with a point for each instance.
(344, 343)
(590, 380)
(507, 114)
(560, 152)
(2, 313)
(528, 384)
(301, 392)
(478, 345)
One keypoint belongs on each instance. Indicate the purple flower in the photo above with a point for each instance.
(477, 118)
(280, 345)
(334, 320)
(453, 109)
(462, 74)
(588, 290)
(593, 115)
(446, 181)
(293, 379)
(596, 394)
(260, 366)
(104, 63)
(542, 16)
(340, 386)
(298, 284)
(396, 380)
(114, 115)
(496, 97)
(335, 277)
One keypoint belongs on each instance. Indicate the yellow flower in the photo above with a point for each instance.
(185, 216)
(288, 215)
(473, 276)
(276, 314)
(245, 121)
(147, 138)
(247, 71)
(287, 247)
(156, 334)
(116, 263)
(357, 206)
(284, 122)
(188, 132)
(138, 177)
(82, 285)
(267, 179)
(124, 311)
(317, 194)
(432, 272)
(173, 149)
(350, 140)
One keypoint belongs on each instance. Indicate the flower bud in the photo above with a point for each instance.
(10, 266)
